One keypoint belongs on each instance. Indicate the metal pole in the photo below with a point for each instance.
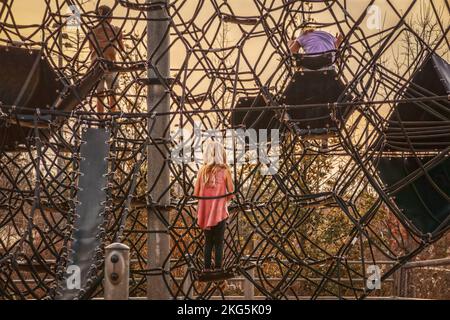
(158, 175)
(187, 284)
(117, 271)
(248, 286)
(60, 160)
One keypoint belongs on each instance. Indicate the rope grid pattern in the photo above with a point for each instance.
(311, 229)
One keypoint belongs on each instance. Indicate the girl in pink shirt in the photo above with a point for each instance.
(213, 187)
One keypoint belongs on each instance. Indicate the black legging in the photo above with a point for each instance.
(214, 239)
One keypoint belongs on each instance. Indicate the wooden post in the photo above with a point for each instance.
(158, 174)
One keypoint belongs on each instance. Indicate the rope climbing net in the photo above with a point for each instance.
(361, 146)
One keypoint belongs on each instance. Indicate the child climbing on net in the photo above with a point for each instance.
(105, 41)
(213, 183)
(314, 41)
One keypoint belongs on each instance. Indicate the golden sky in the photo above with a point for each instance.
(32, 11)
(29, 12)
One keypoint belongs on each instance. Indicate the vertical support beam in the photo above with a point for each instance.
(117, 272)
(249, 287)
(405, 282)
(158, 174)
(187, 284)
(60, 160)
(397, 276)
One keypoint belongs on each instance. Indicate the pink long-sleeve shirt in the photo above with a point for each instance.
(212, 211)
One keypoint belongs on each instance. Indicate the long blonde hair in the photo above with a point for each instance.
(214, 158)
(307, 30)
